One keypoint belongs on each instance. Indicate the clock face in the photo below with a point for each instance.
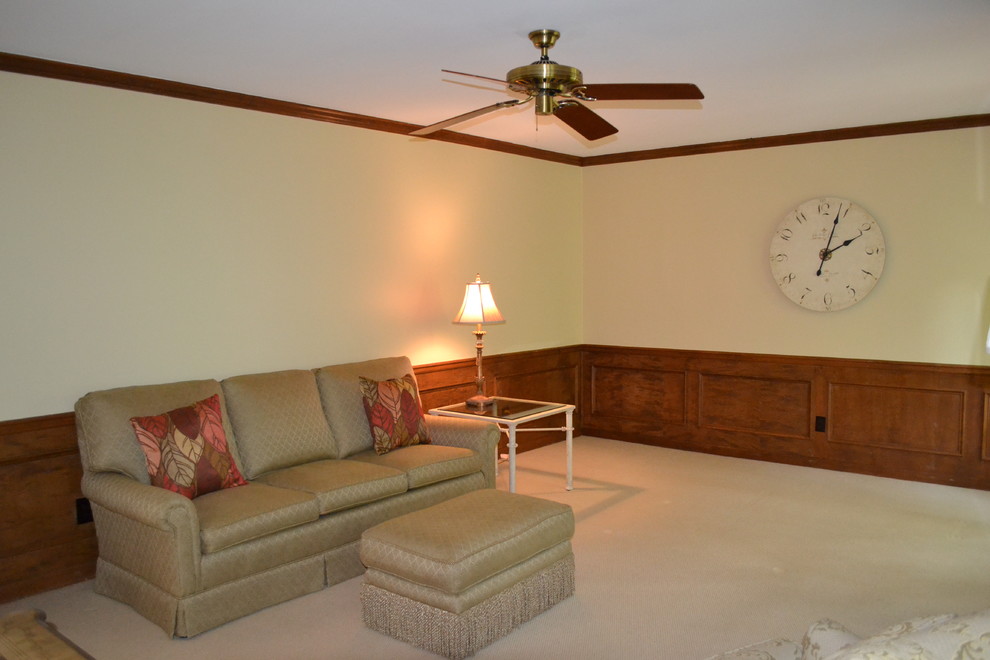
(827, 254)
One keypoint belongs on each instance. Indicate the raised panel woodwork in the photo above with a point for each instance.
(904, 418)
(40, 436)
(41, 546)
(48, 566)
(769, 406)
(41, 504)
(638, 394)
(558, 384)
(925, 422)
(986, 427)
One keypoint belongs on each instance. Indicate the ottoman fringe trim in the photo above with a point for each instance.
(458, 636)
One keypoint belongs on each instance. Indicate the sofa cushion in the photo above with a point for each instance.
(343, 402)
(340, 484)
(103, 423)
(186, 449)
(236, 515)
(394, 413)
(426, 464)
(278, 420)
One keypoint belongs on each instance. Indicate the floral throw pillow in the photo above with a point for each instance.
(186, 449)
(394, 413)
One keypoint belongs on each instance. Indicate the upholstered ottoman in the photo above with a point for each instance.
(456, 576)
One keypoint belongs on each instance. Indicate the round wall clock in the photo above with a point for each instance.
(827, 254)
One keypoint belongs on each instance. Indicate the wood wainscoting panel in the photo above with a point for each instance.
(42, 546)
(37, 437)
(924, 422)
(638, 394)
(540, 380)
(986, 427)
(748, 406)
(890, 417)
(770, 406)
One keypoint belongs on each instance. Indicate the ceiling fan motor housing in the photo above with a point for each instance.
(548, 79)
(544, 78)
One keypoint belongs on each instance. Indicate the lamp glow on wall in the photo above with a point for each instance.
(479, 309)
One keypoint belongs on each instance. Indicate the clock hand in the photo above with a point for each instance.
(843, 244)
(825, 252)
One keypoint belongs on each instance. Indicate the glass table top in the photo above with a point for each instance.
(503, 408)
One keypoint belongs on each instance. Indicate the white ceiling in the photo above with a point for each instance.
(766, 67)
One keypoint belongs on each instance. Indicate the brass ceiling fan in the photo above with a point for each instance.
(557, 90)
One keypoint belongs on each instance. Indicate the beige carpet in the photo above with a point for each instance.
(679, 556)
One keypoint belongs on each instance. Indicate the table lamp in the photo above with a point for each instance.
(479, 309)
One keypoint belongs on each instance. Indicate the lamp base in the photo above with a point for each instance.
(480, 402)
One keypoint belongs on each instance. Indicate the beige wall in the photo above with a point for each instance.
(676, 250)
(147, 239)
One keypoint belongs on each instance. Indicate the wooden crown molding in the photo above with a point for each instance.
(83, 74)
(809, 137)
(89, 75)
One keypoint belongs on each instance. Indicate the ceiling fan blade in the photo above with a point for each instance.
(584, 121)
(474, 75)
(516, 88)
(433, 128)
(643, 91)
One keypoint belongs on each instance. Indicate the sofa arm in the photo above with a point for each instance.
(480, 436)
(149, 531)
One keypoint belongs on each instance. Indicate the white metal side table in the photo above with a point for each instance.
(508, 414)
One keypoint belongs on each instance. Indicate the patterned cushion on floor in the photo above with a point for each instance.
(926, 638)
(945, 636)
(824, 638)
(771, 649)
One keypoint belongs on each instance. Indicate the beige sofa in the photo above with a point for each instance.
(302, 441)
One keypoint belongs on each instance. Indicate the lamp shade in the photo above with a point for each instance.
(479, 305)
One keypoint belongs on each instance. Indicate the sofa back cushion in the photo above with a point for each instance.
(278, 420)
(107, 442)
(343, 400)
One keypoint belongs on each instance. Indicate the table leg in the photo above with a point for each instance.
(512, 458)
(569, 431)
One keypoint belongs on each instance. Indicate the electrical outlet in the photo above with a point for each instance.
(84, 512)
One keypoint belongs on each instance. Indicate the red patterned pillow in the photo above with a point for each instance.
(394, 413)
(186, 449)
